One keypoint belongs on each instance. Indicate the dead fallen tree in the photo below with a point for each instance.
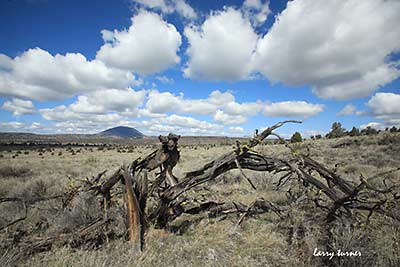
(336, 196)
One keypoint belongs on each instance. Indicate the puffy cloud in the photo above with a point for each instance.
(64, 113)
(256, 10)
(221, 105)
(181, 125)
(340, 48)
(19, 107)
(349, 109)
(36, 74)
(108, 36)
(246, 109)
(375, 125)
(150, 45)
(294, 109)
(385, 106)
(158, 128)
(155, 4)
(109, 100)
(163, 102)
(185, 9)
(218, 98)
(16, 126)
(146, 113)
(165, 79)
(98, 106)
(228, 119)
(167, 102)
(221, 48)
(184, 121)
(6, 63)
(236, 130)
(169, 6)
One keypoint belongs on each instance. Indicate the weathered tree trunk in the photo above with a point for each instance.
(133, 211)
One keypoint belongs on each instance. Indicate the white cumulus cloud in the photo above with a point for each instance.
(38, 75)
(109, 100)
(16, 126)
(100, 106)
(169, 6)
(375, 125)
(256, 11)
(386, 107)
(185, 9)
(340, 48)
(184, 125)
(65, 114)
(228, 119)
(236, 130)
(167, 102)
(349, 109)
(221, 105)
(150, 45)
(221, 48)
(19, 107)
(293, 109)
(185, 121)
(385, 104)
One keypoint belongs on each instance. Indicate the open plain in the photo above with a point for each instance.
(193, 240)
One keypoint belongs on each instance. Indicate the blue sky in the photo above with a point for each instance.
(198, 67)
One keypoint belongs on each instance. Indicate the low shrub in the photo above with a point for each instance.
(14, 171)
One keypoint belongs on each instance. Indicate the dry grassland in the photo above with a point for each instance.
(262, 240)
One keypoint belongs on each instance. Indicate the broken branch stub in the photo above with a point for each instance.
(133, 211)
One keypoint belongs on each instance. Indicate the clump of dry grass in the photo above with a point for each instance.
(15, 171)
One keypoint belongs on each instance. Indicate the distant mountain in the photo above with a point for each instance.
(122, 131)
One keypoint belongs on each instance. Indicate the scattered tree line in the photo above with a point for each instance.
(338, 131)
